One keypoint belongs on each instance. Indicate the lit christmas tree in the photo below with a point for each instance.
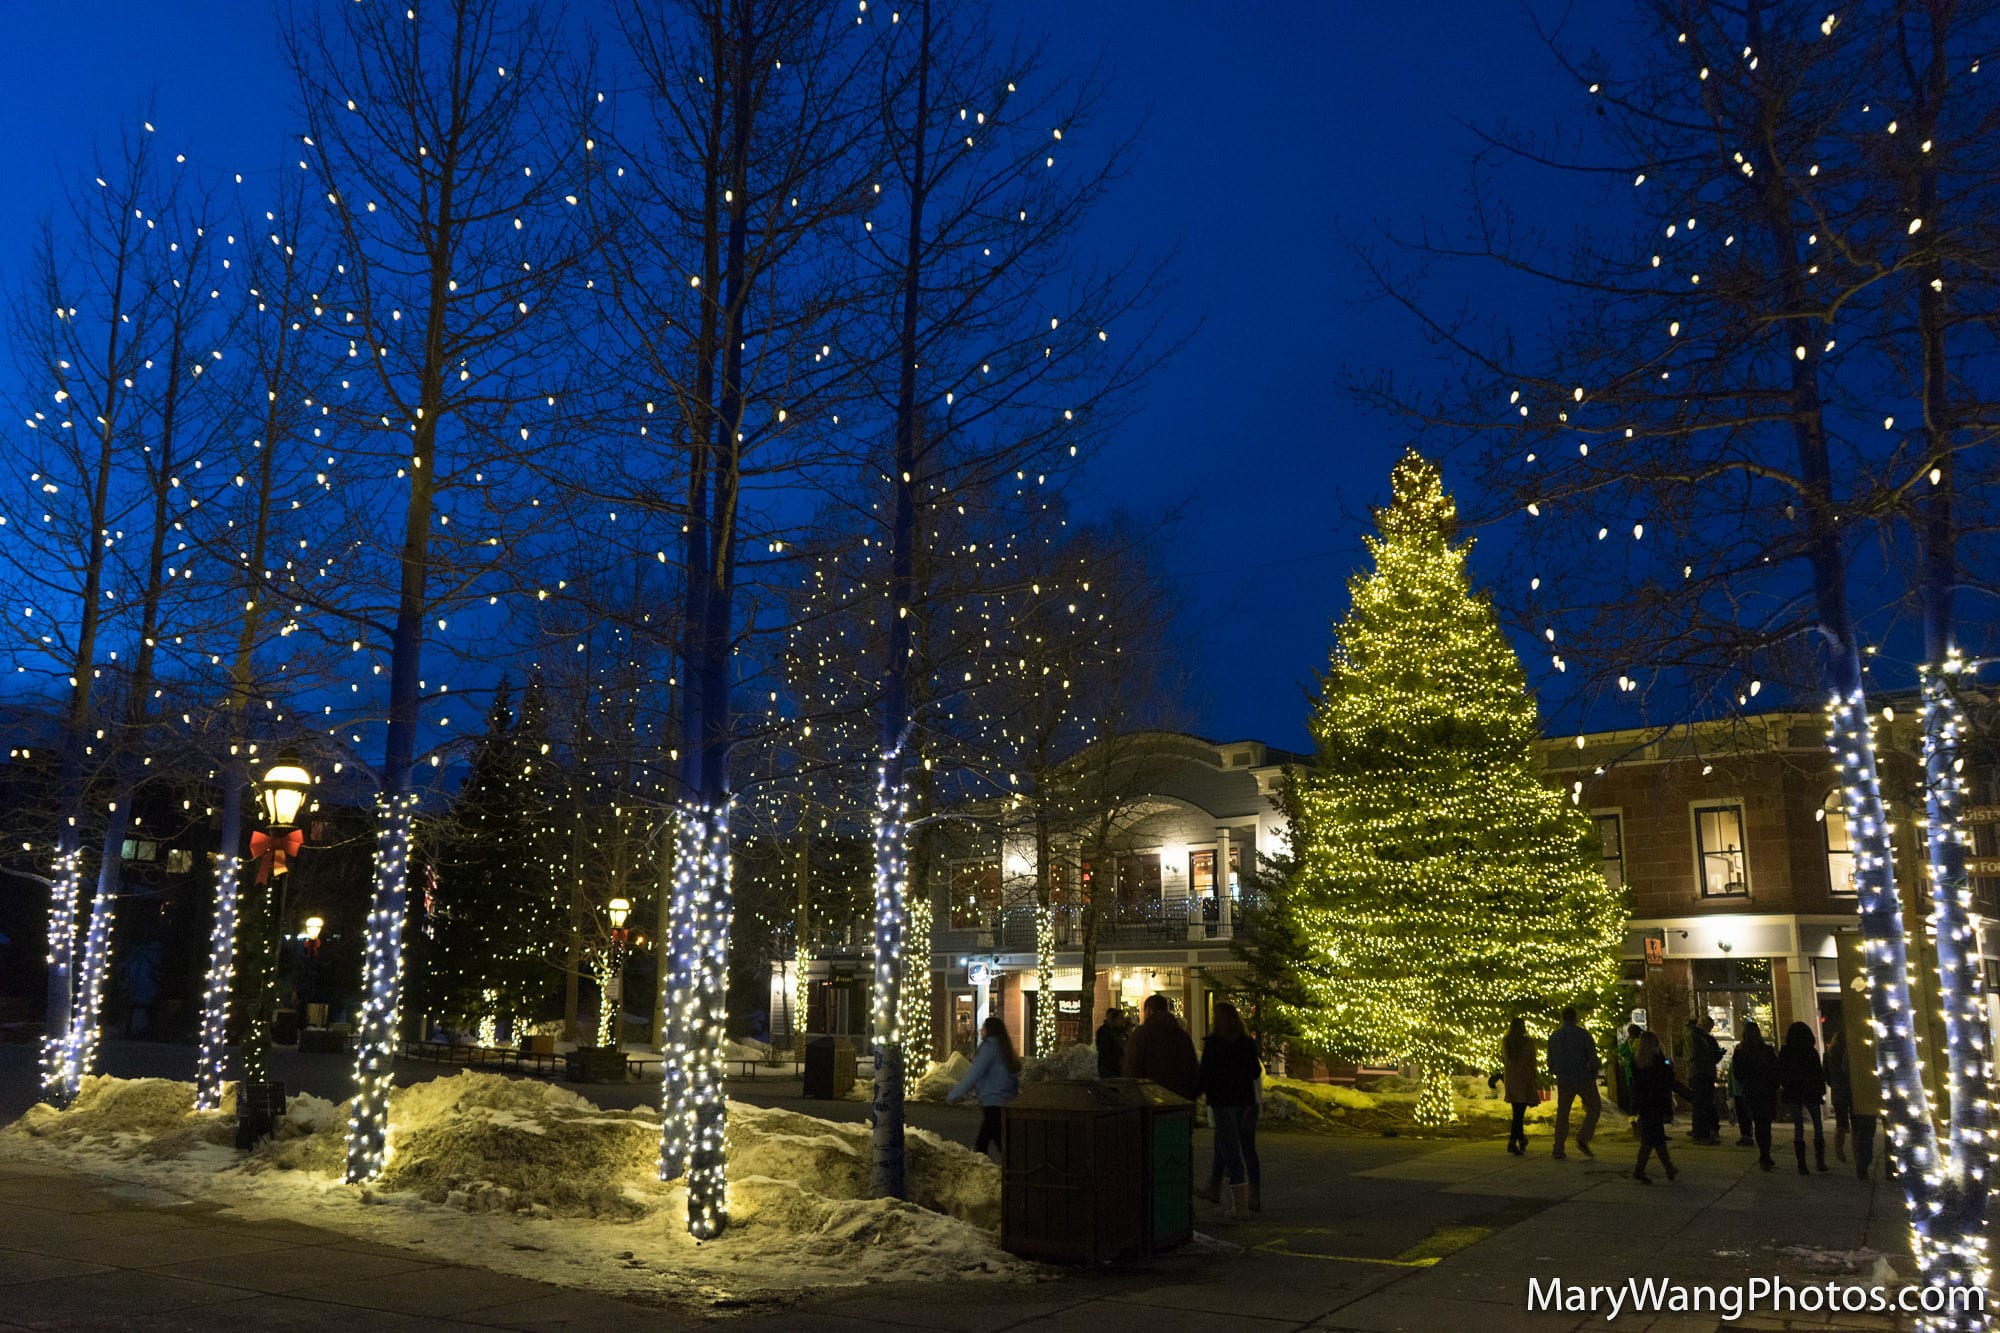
(1440, 888)
(498, 921)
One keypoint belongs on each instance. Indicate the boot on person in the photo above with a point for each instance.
(1819, 1154)
(1211, 1192)
(1239, 1203)
(1801, 1149)
(1256, 1197)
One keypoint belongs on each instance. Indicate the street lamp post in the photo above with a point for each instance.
(610, 1028)
(281, 794)
(309, 944)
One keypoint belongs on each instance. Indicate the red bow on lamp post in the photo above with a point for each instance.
(272, 852)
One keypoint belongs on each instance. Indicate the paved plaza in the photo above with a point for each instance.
(1357, 1234)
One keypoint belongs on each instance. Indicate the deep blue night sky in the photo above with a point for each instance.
(1267, 125)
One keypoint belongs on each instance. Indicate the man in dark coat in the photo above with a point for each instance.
(1161, 1050)
(1111, 1035)
(1704, 1058)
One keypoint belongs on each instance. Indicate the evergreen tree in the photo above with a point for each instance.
(497, 923)
(1439, 886)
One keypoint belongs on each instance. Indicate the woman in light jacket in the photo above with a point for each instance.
(1517, 1072)
(995, 1075)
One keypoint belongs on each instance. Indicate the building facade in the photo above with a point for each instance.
(1731, 841)
(1162, 829)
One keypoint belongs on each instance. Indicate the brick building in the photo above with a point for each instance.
(1731, 841)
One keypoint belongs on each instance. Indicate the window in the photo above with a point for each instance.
(1138, 884)
(1839, 844)
(1718, 838)
(975, 894)
(1059, 882)
(1611, 847)
(180, 860)
(140, 849)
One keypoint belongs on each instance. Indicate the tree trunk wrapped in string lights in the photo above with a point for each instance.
(63, 894)
(1045, 980)
(1441, 889)
(707, 1013)
(677, 989)
(381, 993)
(914, 1001)
(211, 1065)
(892, 831)
(1960, 1180)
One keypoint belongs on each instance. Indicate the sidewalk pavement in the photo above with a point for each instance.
(1365, 1235)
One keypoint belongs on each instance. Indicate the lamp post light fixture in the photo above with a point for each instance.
(284, 790)
(314, 925)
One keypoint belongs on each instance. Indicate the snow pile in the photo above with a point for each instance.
(547, 1185)
(128, 1117)
(485, 1143)
(940, 1078)
(1071, 1062)
(1872, 1267)
(749, 1048)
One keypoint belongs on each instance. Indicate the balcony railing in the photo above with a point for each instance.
(1151, 923)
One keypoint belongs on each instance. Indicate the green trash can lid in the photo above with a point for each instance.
(1064, 1094)
(1148, 1093)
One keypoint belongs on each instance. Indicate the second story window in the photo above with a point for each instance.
(1720, 865)
(1839, 845)
(1611, 847)
(975, 894)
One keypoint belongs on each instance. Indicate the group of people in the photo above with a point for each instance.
(1228, 1074)
(1762, 1081)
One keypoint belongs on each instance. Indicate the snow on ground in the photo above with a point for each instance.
(1337, 1109)
(534, 1180)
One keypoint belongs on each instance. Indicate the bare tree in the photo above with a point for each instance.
(996, 360)
(1723, 386)
(725, 308)
(84, 327)
(449, 140)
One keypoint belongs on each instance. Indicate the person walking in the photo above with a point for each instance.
(1161, 1050)
(1652, 1103)
(1574, 1064)
(995, 1076)
(1801, 1088)
(1111, 1043)
(1704, 1056)
(1228, 1077)
(1754, 1066)
(1517, 1075)
(1839, 1087)
(1621, 1069)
